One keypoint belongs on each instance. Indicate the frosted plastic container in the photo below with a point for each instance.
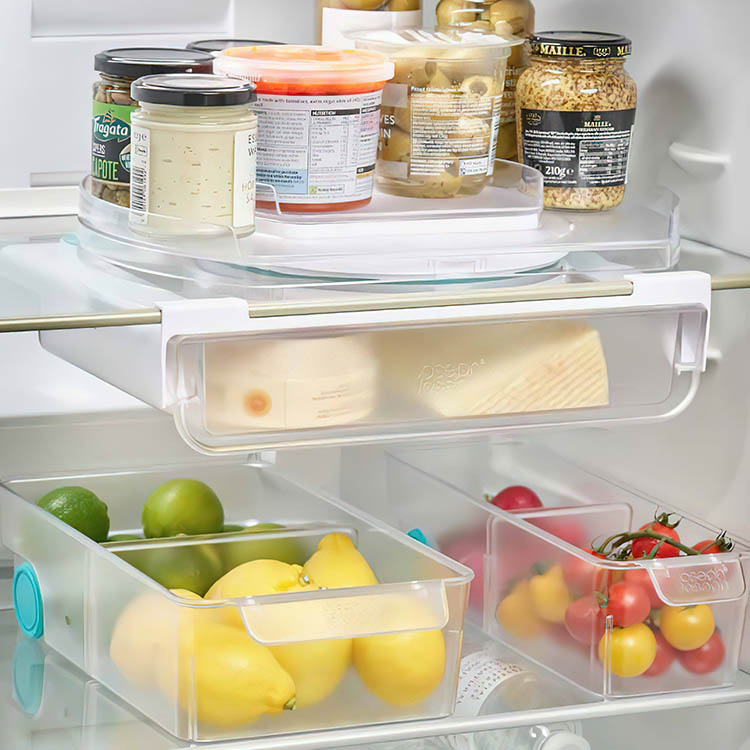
(506, 550)
(336, 19)
(318, 113)
(441, 112)
(150, 647)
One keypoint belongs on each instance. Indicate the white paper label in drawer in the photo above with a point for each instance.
(479, 676)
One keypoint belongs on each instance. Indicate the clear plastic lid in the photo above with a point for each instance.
(304, 64)
(390, 42)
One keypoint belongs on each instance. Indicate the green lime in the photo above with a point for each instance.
(79, 508)
(124, 538)
(287, 550)
(182, 506)
(192, 567)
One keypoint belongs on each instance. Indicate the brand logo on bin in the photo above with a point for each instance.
(107, 127)
(441, 377)
(705, 580)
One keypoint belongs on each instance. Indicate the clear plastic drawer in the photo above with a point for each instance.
(211, 669)
(616, 627)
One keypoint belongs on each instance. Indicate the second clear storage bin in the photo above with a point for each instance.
(616, 627)
(291, 655)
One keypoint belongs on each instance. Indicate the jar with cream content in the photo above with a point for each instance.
(112, 107)
(194, 152)
(575, 109)
(504, 17)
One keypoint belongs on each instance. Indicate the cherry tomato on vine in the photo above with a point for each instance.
(584, 619)
(714, 546)
(516, 497)
(583, 576)
(632, 651)
(643, 546)
(643, 579)
(687, 628)
(705, 659)
(665, 656)
(628, 603)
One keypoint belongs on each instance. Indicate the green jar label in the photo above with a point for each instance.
(110, 142)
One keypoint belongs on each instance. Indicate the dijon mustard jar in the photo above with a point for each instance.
(575, 109)
(194, 147)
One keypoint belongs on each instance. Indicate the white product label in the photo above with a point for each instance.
(139, 164)
(317, 149)
(245, 152)
(479, 675)
(338, 24)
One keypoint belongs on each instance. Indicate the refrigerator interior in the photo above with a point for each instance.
(58, 420)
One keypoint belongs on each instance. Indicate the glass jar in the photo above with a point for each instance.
(337, 18)
(575, 108)
(194, 151)
(112, 107)
(440, 112)
(319, 113)
(503, 17)
(219, 45)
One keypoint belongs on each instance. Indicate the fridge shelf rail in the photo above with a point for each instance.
(153, 316)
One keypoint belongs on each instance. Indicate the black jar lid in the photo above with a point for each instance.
(219, 45)
(579, 44)
(191, 90)
(134, 62)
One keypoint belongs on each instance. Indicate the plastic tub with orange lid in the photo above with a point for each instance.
(318, 122)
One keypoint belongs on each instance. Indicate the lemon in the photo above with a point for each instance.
(337, 563)
(193, 567)
(182, 506)
(225, 677)
(401, 668)
(286, 550)
(79, 508)
(316, 667)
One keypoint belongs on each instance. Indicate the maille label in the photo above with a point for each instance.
(601, 51)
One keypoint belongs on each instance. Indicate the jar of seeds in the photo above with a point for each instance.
(110, 128)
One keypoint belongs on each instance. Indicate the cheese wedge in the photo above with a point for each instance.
(507, 368)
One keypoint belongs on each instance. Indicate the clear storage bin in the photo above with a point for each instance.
(507, 550)
(163, 653)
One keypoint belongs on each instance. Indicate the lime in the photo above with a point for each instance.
(182, 506)
(124, 538)
(286, 550)
(191, 567)
(79, 508)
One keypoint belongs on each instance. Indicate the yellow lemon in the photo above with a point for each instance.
(337, 563)
(315, 666)
(223, 676)
(256, 578)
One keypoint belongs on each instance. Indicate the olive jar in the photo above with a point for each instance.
(504, 17)
(112, 106)
(575, 109)
(336, 19)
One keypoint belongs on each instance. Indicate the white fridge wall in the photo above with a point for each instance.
(48, 49)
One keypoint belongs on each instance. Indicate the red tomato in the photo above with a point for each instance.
(705, 659)
(583, 576)
(584, 620)
(516, 498)
(643, 579)
(714, 546)
(567, 528)
(643, 546)
(665, 656)
(628, 603)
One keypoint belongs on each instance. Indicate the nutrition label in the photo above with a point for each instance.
(445, 126)
(578, 149)
(317, 149)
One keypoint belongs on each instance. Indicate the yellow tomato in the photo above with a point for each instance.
(550, 597)
(632, 651)
(687, 628)
(516, 613)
